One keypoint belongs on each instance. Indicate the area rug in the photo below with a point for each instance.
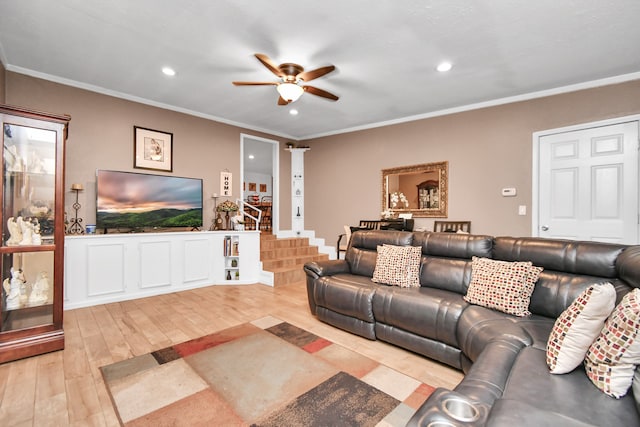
(264, 373)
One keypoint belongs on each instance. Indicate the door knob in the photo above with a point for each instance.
(545, 227)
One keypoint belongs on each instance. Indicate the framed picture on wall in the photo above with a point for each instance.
(252, 186)
(152, 149)
(263, 188)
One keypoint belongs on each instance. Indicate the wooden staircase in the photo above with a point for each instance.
(286, 257)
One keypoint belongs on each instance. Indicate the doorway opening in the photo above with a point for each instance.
(259, 166)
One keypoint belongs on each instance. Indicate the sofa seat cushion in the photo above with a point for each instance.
(433, 349)
(427, 312)
(478, 326)
(348, 323)
(347, 294)
(510, 413)
(538, 328)
(571, 395)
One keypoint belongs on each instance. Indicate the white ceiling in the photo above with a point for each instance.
(385, 52)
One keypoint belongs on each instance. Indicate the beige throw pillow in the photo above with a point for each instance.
(502, 285)
(398, 265)
(612, 358)
(578, 326)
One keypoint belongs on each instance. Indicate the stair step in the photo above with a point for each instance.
(289, 242)
(286, 275)
(291, 261)
(287, 252)
(286, 257)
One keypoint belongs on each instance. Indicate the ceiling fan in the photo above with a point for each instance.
(292, 76)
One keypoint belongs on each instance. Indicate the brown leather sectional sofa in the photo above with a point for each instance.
(507, 381)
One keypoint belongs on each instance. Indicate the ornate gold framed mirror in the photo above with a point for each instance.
(421, 190)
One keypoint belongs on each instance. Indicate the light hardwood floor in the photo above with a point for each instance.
(66, 387)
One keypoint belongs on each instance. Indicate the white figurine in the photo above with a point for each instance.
(16, 290)
(15, 232)
(40, 290)
(27, 232)
(14, 161)
(36, 239)
(238, 222)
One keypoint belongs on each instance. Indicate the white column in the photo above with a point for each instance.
(297, 189)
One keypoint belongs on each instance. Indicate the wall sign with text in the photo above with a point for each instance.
(225, 184)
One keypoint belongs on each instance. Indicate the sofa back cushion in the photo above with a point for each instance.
(454, 245)
(446, 258)
(586, 258)
(628, 266)
(362, 252)
(570, 267)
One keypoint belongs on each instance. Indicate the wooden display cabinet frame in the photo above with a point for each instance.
(45, 337)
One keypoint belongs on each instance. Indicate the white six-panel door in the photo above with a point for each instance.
(588, 184)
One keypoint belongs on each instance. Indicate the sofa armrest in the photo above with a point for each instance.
(317, 269)
(330, 267)
(448, 408)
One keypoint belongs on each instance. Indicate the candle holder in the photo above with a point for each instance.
(75, 224)
(216, 221)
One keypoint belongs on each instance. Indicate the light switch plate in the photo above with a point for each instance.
(522, 210)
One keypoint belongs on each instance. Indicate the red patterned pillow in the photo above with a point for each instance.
(502, 285)
(398, 265)
(612, 358)
(578, 326)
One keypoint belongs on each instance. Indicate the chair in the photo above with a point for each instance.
(452, 226)
(397, 224)
(265, 206)
(369, 224)
(342, 246)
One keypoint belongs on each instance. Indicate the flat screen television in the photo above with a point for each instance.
(138, 201)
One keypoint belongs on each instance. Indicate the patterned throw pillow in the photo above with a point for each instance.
(578, 326)
(398, 265)
(612, 358)
(502, 285)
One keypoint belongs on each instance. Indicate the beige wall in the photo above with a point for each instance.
(487, 149)
(2, 83)
(101, 137)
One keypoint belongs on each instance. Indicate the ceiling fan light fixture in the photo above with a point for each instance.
(290, 92)
(443, 67)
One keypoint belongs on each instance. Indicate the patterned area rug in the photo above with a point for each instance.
(264, 373)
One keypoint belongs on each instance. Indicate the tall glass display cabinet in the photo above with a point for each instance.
(32, 220)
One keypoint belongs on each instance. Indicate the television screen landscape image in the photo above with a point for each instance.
(137, 201)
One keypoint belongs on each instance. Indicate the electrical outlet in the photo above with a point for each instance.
(522, 210)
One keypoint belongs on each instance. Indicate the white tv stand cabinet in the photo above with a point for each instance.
(106, 268)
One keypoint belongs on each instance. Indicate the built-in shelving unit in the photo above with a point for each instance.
(106, 268)
(231, 252)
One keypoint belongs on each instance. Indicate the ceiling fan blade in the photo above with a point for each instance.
(282, 101)
(267, 62)
(254, 83)
(319, 92)
(307, 76)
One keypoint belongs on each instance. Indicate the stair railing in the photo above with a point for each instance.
(242, 204)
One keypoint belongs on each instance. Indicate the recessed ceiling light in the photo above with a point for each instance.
(168, 71)
(444, 66)
(251, 156)
(293, 112)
